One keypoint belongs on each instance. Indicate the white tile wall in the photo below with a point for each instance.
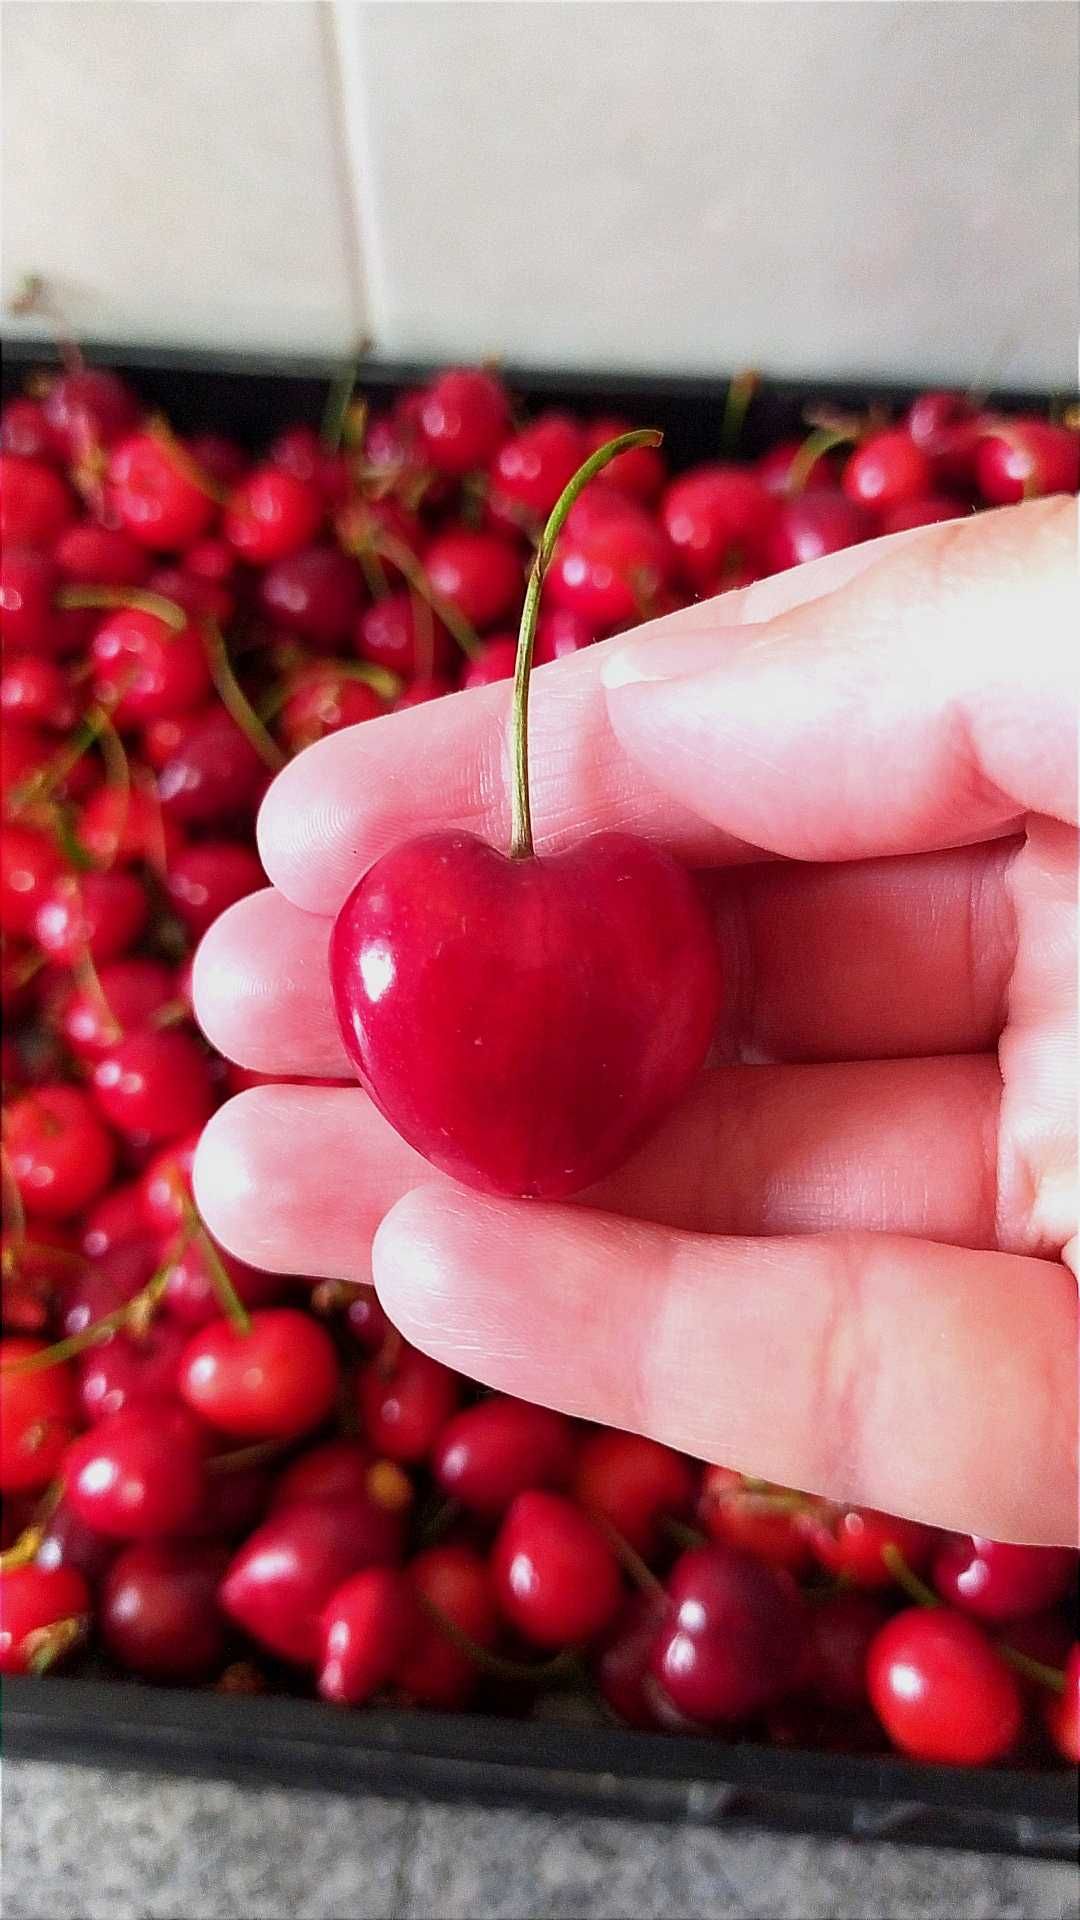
(874, 187)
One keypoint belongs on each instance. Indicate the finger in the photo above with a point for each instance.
(337, 807)
(929, 702)
(297, 1179)
(915, 1377)
(261, 989)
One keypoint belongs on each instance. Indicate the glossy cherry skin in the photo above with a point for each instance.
(366, 1627)
(609, 569)
(633, 1483)
(89, 555)
(59, 1153)
(479, 574)
(35, 503)
(157, 503)
(272, 1383)
(131, 1371)
(102, 914)
(851, 1541)
(208, 876)
(158, 1613)
(36, 690)
(67, 1541)
(488, 1454)
(24, 429)
(143, 670)
(463, 416)
(622, 1667)
(280, 1580)
(316, 593)
(639, 473)
(208, 769)
(334, 1470)
(365, 1319)
(941, 1690)
(322, 699)
(1063, 1712)
(839, 1630)
(191, 1296)
(495, 661)
(996, 1581)
(811, 524)
(30, 863)
(404, 1403)
(126, 825)
(139, 1474)
(1023, 457)
(531, 469)
(456, 1582)
(886, 470)
(271, 515)
(38, 1415)
(33, 1599)
(736, 1513)
(777, 468)
(560, 631)
(556, 1578)
(28, 584)
(166, 1186)
(711, 510)
(525, 1023)
(155, 1084)
(406, 637)
(945, 427)
(923, 510)
(733, 1641)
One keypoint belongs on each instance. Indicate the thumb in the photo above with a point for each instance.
(928, 702)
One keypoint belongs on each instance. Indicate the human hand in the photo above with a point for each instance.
(845, 1266)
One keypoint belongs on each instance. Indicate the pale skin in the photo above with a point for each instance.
(848, 1262)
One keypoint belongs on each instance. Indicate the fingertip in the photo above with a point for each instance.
(226, 1179)
(423, 1254)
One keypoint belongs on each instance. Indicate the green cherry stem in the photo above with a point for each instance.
(906, 1578)
(521, 838)
(112, 598)
(924, 1596)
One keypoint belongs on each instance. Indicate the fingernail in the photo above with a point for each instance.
(661, 656)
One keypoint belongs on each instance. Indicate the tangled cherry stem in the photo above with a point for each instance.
(25, 1548)
(134, 1314)
(521, 837)
(235, 700)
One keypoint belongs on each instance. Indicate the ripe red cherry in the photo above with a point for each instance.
(159, 1615)
(101, 914)
(622, 1669)
(925, 510)
(941, 1690)
(404, 1403)
(35, 503)
(158, 503)
(733, 1641)
(1023, 457)
(139, 1474)
(639, 473)
(809, 525)
(210, 559)
(747, 1516)
(777, 469)
(191, 1296)
(24, 752)
(945, 427)
(495, 661)
(29, 867)
(559, 631)
(323, 698)
(24, 429)
(131, 1370)
(421, 691)
(209, 876)
(89, 408)
(996, 1581)
(59, 1153)
(610, 569)
(274, 1382)
(366, 1626)
(280, 1580)
(316, 593)
(463, 417)
(209, 770)
(271, 514)
(633, 1483)
(200, 598)
(1063, 1712)
(126, 824)
(117, 1218)
(839, 1630)
(166, 1186)
(442, 995)
(143, 670)
(37, 1417)
(155, 1084)
(219, 458)
(556, 1578)
(709, 512)
(852, 1541)
(334, 1470)
(488, 1454)
(27, 589)
(365, 1319)
(36, 690)
(531, 469)
(456, 1583)
(477, 573)
(67, 1542)
(405, 635)
(887, 470)
(91, 555)
(33, 1601)
(106, 1284)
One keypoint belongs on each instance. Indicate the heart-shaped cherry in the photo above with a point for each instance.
(525, 1022)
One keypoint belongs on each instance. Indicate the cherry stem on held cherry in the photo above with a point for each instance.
(521, 837)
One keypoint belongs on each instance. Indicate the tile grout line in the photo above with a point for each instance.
(412, 1815)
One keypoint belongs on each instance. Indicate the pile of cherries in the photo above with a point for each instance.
(214, 1475)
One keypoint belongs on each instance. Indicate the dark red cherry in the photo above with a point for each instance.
(200, 598)
(856, 1542)
(281, 1579)
(275, 1381)
(401, 632)
(887, 470)
(139, 1474)
(118, 1218)
(1020, 458)
(366, 1628)
(456, 1584)
(191, 1296)
(155, 1084)
(334, 1470)
(35, 503)
(166, 1186)
(945, 427)
(463, 417)
(639, 473)
(209, 770)
(219, 458)
(811, 524)
(760, 1519)
(486, 1455)
(131, 1370)
(59, 1153)
(144, 670)
(523, 1067)
(996, 1581)
(159, 1614)
(556, 1578)
(839, 1630)
(100, 914)
(323, 697)
(941, 1690)
(1063, 1712)
(43, 1613)
(495, 661)
(365, 1319)
(125, 824)
(622, 1669)
(316, 593)
(106, 1284)
(733, 1641)
(92, 1018)
(38, 1415)
(404, 1402)
(711, 511)
(154, 498)
(633, 1483)
(271, 514)
(479, 574)
(210, 559)
(66, 1541)
(208, 876)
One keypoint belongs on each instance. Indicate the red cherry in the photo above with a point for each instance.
(366, 1626)
(335, 1470)
(89, 408)
(488, 1454)
(633, 1483)
(300, 451)
(556, 1578)
(941, 1690)
(622, 1670)
(812, 524)
(191, 1296)
(166, 1186)
(405, 635)
(477, 573)
(1063, 1712)
(234, 1503)
(945, 427)
(24, 752)
(59, 1153)
(316, 593)
(37, 1416)
(27, 590)
(639, 473)
(531, 469)
(209, 770)
(67, 1542)
(33, 1600)
(201, 599)
(101, 914)
(24, 429)
(97, 556)
(126, 824)
(117, 1218)
(743, 1515)
(733, 1641)
(281, 1579)
(839, 1631)
(365, 1319)
(155, 1083)
(271, 514)
(106, 1285)
(421, 691)
(886, 470)
(774, 468)
(159, 1614)
(404, 1403)
(463, 417)
(131, 1371)
(495, 661)
(29, 867)
(367, 527)
(143, 670)
(436, 1672)
(210, 559)
(851, 1541)
(137, 1475)
(926, 510)
(209, 876)
(154, 499)
(36, 690)
(711, 511)
(322, 699)
(276, 1381)
(996, 1581)
(611, 569)
(219, 458)
(1020, 458)
(35, 503)
(436, 1009)
(559, 631)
